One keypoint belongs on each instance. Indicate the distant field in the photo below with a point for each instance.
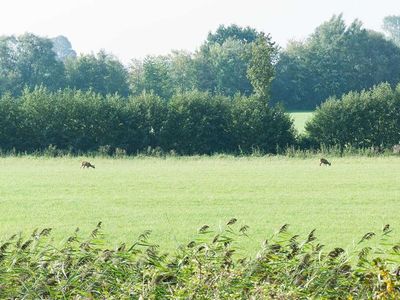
(300, 119)
(175, 196)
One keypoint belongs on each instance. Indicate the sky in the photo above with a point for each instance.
(133, 29)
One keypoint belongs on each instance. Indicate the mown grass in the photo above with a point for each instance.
(174, 196)
(300, 119)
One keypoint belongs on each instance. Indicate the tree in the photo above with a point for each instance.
(182, 71)
(152, 75)
(28, 60)
(102, 73)
(10, 77)
(391, 25)
(261, 70)
(334, 60)
(205, 76)
(163, 75)
(222, 62)
(136, 84)
(227, 63)
(156, 76)
(233, 32)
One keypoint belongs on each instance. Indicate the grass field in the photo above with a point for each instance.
(175, 196)
(300, 119)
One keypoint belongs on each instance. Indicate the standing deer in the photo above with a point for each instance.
(323, 161)
(86, 164)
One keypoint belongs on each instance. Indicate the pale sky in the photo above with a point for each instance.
(134, 29)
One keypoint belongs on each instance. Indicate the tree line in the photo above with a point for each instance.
(333, 60)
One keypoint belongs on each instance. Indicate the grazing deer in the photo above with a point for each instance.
(323, 161)
(86, 164)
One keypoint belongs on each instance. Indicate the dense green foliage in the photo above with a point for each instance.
(28, 60)
(261, 71)
(102, 73)
(84, 103)
(199, 123)
(235, 32)
(334, 60)
(286, 267)
(360, 120)
(220, 66)
(190, 123)
(256, 126)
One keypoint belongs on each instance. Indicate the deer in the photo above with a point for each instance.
(86, 164)
(323, 161)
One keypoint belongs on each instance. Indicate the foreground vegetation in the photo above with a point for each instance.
(286, 267)
(173, 196)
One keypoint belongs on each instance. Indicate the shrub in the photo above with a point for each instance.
(359, 120)
(198, 123)
(143, 122)
(255, 125)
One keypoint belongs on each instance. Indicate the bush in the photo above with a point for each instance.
(143, 122)
(255, 125)
(198, 123)
(360, 120)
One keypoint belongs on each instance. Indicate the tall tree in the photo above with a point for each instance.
(28, 60)
(163, 75)
(156, 76)
(334, 60)
(235, 32)
(102, 73)
(222, 62)
(222, 68)
(136, 81)
(182, 70)
(261, 70)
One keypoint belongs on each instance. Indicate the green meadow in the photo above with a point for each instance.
(300, 119)
(174, 196)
